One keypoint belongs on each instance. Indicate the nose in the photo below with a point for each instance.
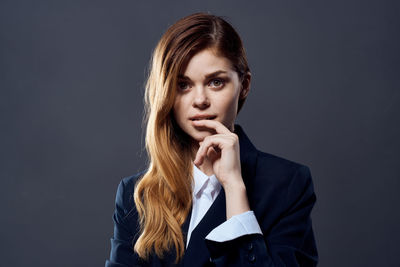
(200, 98)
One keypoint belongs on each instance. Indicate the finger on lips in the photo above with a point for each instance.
(216, 125)
(210, 141)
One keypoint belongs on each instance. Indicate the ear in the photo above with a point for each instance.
(245, 86)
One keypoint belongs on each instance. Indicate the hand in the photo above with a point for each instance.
(222, 149)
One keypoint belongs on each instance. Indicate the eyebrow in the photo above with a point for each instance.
(213, 74)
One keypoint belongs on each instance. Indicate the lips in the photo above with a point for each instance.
(202, 117)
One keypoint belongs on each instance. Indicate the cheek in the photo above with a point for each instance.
(229, 104)
(178, 108)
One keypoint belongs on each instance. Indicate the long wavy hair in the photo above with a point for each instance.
(163, 195)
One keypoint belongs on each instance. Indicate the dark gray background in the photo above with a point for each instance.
(325, 93)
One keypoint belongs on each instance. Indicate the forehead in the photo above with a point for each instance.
(205, 62)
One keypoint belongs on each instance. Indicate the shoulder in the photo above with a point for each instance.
(124, 196)
(278, 186)
(128, 182)
(281, 176)
(280, 166)
(262, 169)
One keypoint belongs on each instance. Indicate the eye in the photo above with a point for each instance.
(218, 82)
(182, 85)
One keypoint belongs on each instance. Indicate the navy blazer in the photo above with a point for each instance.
(280, 193)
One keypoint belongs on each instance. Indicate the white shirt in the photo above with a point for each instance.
(205, 191)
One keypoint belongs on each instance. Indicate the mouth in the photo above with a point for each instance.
(203, 118)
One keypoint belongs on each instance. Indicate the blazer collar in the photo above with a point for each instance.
(248, 154)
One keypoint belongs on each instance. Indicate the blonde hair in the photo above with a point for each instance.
(163, 196)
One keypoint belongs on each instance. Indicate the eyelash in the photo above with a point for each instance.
(222, 81)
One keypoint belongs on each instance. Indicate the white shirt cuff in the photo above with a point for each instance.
(242, 224)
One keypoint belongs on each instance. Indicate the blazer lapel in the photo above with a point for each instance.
(185, 226)
(197, 252)
(170, 256)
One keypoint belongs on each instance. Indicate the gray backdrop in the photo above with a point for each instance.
(325, 93)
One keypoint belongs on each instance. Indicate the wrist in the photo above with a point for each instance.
(233, 182)
(236, 199)
(235, 188)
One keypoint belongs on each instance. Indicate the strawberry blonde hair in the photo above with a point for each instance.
(163, 195)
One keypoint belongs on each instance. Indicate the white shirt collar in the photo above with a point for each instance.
(201, 179)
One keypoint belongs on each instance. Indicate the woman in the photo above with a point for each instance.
(208, 196)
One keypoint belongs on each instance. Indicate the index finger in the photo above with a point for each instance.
(216, 125)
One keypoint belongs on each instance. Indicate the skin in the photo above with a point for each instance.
(215, 145)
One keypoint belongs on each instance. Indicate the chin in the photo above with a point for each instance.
(199, 135)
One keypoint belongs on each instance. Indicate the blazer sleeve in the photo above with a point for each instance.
(122, 254)
(289, 242)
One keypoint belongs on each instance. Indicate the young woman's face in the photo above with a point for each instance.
(208, 89)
